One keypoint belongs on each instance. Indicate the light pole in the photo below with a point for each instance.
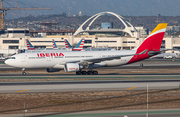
(147, 102)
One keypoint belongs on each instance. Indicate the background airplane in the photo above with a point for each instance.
(54, 44)
(29, 45)
(76, 61)
(31, 48)
(78, 47)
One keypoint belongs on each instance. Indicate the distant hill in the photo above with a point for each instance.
(91, 7)
(65, 22)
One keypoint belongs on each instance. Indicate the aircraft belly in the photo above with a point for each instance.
(101, 64)
(58, 66)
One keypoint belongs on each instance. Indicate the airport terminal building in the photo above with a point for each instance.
(105, 36)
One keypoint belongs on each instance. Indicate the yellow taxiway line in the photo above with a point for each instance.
(131, 88)
(23, 90)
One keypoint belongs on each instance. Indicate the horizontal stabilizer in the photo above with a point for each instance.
(152, 53)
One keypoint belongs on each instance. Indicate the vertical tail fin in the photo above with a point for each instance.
(151, 44)
(29, 45)
(67, 44)
(80, 45)
(154, 40)
(54, 44)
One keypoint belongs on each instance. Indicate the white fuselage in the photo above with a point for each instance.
(57, 59)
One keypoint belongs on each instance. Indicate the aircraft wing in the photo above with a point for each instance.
(100, 59)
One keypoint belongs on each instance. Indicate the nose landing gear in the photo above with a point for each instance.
(23, 71)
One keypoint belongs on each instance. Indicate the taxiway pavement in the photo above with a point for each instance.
(71, 86)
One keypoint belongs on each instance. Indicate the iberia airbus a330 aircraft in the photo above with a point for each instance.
(76, 61)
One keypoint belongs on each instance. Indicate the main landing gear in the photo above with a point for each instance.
(87, 73)
(90, 72)
(23, 71)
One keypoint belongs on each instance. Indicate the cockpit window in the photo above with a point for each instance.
(12, 58)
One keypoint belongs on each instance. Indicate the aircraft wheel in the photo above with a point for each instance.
(83, 72)
(89, 73)
(95, 72)
(23, 73)
(78, 73)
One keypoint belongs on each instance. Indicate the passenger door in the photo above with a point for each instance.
(23, 58)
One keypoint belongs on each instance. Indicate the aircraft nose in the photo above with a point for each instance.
(6, 62)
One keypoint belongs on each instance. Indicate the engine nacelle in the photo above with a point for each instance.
(71, 67)
(52, 70)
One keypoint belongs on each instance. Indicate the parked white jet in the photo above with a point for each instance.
(76, 61)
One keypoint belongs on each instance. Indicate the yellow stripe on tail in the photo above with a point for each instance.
(159, 27)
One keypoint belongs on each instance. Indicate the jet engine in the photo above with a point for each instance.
(52, 70)
(71, 67)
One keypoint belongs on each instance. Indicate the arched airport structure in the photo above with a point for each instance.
(129, 28)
